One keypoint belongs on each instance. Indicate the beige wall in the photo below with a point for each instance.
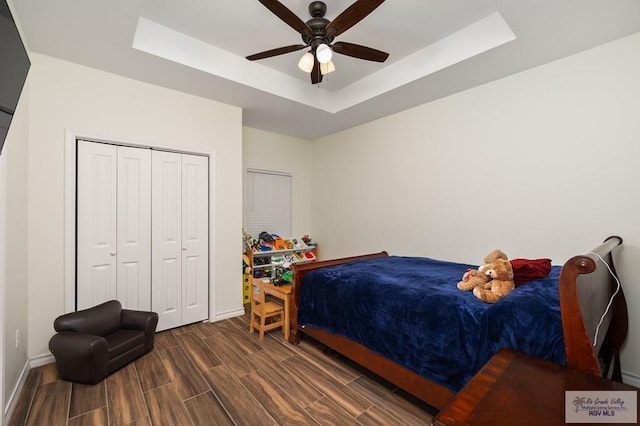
(65, 96)
(16, 303)
(270, 151)
(540, 164)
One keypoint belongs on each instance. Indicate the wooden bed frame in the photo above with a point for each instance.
(586, 286)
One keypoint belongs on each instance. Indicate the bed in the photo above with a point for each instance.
(404, 319)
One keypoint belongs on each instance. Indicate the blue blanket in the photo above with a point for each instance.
(409, 310)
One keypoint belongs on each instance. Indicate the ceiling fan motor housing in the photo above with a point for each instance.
(317, 9)
(318, 24)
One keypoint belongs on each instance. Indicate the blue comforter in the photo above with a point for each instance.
(409, 310)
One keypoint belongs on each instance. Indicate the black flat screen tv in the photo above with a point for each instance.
(14, 66)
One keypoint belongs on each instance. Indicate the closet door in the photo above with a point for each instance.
(166, 219)
(180, 238)
(195, 238)
(96, 275)
(113, 225)
(134, 228)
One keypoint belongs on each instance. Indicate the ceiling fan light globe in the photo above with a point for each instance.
(327, 68)
(323, 53)
(306, 62)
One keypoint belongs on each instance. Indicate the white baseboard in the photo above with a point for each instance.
(230, 314)
(11, 402)
(631, 379)
(37, 361)
(41, 360)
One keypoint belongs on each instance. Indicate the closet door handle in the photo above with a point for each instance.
(184, 248)
(113, 253)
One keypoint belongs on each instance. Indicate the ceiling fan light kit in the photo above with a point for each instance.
(327, 68)
(323, 53)
(306, 62)
(318, 34)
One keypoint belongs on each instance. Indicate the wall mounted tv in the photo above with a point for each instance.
(14, 66)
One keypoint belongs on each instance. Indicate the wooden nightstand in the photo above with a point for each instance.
(514, 388)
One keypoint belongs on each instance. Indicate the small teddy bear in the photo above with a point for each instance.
(501, 284)
(478, 277)
(472, 279)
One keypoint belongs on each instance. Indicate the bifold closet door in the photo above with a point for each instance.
(113, 225)
(195, 238)
(179, 238)
(134, 228)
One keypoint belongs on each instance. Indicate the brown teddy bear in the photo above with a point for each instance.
(478, 277)
(501, 284)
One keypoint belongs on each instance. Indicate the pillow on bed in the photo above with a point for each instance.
(525, 270)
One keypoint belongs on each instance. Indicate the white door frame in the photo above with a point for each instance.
(3, 274)
(70, 208)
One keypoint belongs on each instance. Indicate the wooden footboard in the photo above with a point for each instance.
(587, 287)
(424, 389)
(583, 279)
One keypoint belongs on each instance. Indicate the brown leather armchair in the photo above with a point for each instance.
(92, 343)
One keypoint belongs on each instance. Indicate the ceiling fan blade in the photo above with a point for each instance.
(351, 16)
(360, 52)
(276, 52)
(316, 74)
(287, 16)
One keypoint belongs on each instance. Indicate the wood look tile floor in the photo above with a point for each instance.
(220, 374)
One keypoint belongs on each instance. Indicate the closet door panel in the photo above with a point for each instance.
(134, 228)
(195, 238)
(96, 224)
(166, 293)
(166, 217)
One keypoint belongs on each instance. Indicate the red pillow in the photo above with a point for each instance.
(525, 270)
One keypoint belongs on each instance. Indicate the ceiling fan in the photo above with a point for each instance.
(318, 34)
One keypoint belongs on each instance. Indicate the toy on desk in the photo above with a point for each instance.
(285, 279)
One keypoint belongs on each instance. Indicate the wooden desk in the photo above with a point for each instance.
(514, 388)
(283, 293)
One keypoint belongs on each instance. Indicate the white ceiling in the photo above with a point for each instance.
(436, 47)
